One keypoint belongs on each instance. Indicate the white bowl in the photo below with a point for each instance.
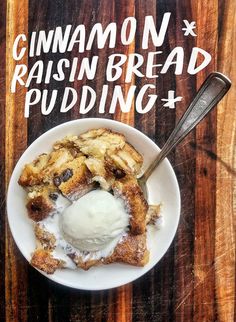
(162, 185)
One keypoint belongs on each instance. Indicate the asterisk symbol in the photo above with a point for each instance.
(189, 28)
(171, 100)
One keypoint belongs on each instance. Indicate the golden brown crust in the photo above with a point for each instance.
(128, 189)
(43, 260)
(102, 132)
(96, 142)
(32, 173)
(42, 169)
(111, 149)
(132, 250)
(99, 173)
(57, 159)
(46, 239)
(39, 208)
(126, 159)
(85, 265)
(41, 202)
(75, 180)
(68, 142)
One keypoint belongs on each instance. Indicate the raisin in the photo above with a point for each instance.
(35, 208)
(72, 255)
(66, 175)
(53, 196)
(119, 173)
(38, 208)
(57, 181)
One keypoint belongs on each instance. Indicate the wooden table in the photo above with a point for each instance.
(195, 280)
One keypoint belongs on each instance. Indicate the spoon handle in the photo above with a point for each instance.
(210, 93)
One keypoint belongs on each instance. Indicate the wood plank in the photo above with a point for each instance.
(205, 202)
(225, 181)
(185, 170)
(15, 143)
(124, 10)
(2, 155)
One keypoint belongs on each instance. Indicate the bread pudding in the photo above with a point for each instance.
(85, 203)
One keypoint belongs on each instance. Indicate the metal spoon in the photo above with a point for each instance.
(210, 93)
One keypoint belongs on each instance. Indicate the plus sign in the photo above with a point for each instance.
(171, 100)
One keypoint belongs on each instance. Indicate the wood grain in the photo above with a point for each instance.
(185, 168)
(15, 144)
(195, 280)
(2, 156)
(225, 180)
(205, 203)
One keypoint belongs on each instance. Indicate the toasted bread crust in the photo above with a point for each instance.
(46, 239)
(39, 208)
(79, 183)
(40, 202)
(128, 189)
(126, 159)
(132, 250)
(32, 173)
(43, 260)
(43, 168)
(85, 265)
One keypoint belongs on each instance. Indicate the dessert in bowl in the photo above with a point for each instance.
(86, 204)
(87, 209)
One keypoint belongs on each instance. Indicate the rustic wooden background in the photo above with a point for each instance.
(195, 281)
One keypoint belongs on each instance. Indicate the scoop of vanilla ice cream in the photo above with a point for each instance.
(94, 221)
